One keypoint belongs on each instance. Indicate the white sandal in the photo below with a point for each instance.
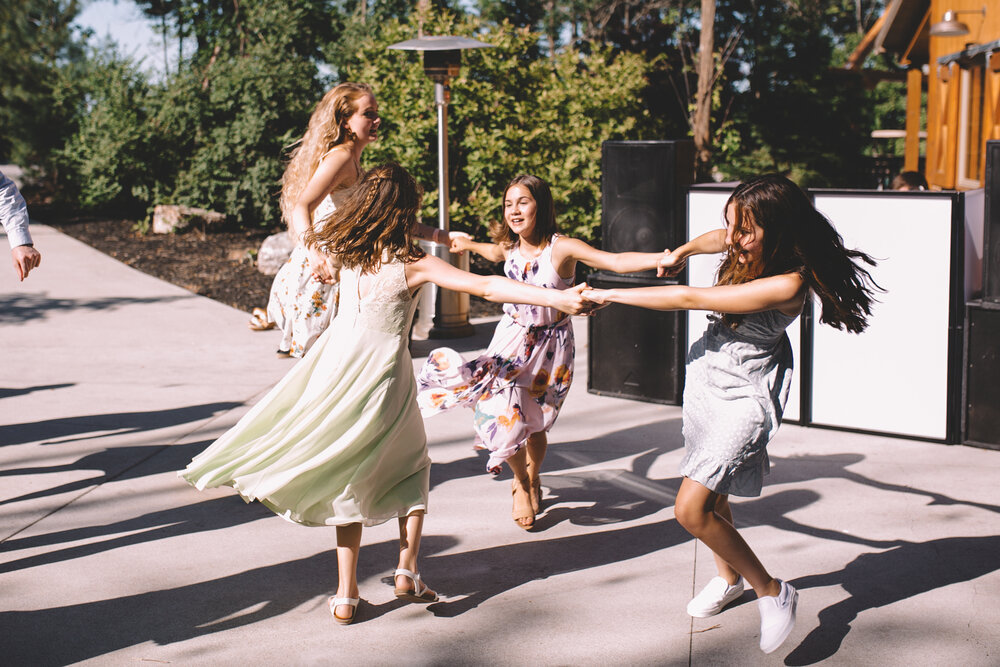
(333, 603)
(419, 593)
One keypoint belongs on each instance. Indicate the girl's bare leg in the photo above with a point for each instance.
(522, 512)
(725, 512)
(410, 529)
(537, 445)
(698, 510)
(348, 546)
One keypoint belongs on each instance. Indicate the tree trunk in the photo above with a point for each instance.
(703, 96)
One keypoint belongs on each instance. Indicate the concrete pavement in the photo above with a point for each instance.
(112, 380)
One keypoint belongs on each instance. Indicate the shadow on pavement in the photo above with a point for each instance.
(18, 308)
(211, 514)
(474, 574)
(93, 629)
(483, 332)
(9, 393)
(798, 469)
(879, 579)
(647, 440)
(120, 423)
(117, 463)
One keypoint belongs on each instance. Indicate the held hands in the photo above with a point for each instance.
(670, 264)
(575, 302)
(323, 268)
(596, 297)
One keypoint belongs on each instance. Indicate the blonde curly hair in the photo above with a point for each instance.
(326, 130)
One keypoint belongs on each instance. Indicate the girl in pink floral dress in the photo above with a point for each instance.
(518, 386)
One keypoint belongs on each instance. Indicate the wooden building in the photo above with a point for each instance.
(951, 49)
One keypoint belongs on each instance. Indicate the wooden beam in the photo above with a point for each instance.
(857, 57)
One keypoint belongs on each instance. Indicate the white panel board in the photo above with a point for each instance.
(705, 214)
(893, 377)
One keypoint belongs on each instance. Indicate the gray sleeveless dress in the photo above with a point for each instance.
(736, 384)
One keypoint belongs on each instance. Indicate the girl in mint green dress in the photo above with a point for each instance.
(339, 441)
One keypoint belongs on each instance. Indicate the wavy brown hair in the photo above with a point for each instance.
(799, 239)
(373, 223)
(325, 131)
(545, 212)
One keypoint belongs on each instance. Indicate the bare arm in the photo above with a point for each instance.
(498, 289)
(490, 251)
(708, 243)
(785, 293)
(569, 249)
(436, 235)
(336, 168)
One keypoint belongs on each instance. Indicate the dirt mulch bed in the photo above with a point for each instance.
(219, 264)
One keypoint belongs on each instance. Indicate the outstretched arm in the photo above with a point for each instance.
(431, 269)
(617, 262)
(491, 251)
(673, 261)
(437, 235)
(785, 293)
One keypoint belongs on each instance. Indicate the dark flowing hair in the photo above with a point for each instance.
(545, 212)
(373, 223)
(799, 239)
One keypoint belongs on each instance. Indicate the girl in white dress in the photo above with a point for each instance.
(339, 441)
(325, 163)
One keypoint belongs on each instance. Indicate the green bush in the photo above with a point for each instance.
(510, 113)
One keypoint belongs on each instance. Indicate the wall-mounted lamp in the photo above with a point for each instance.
(950, 26)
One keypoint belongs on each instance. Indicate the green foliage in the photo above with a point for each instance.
(37, 42)
(211, 136)
(104, 163)
(797, 116)
(559, 80)
(509, 114)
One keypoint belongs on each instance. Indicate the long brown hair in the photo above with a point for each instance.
(373, 223)
(799, 239)
(325, 131)
(545, 212)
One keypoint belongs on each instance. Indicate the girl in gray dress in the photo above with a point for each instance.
(778, 248)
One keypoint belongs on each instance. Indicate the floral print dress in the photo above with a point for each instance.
(299, 304)
(518, 385)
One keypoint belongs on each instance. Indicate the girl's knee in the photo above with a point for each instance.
(692, 516)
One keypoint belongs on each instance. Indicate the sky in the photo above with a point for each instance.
(125, 23)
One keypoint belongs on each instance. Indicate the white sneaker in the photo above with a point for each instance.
(714, 597)
(777, 617)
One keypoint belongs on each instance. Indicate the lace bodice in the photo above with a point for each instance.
(379, 301)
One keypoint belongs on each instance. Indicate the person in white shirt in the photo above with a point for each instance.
(14, 216)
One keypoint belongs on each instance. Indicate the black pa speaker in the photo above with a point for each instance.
(644, 194)
(981, 414)
(634, 352)
(991, 230)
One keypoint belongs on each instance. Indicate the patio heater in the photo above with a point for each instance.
(442, 57)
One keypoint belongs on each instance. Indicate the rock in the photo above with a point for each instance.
(274, 251)
(168, 218)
